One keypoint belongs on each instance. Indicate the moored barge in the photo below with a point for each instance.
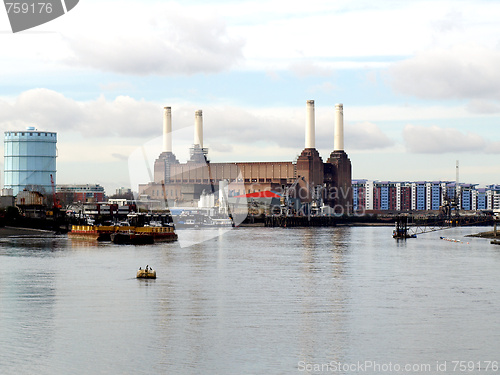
(92, 232)
(105, 233)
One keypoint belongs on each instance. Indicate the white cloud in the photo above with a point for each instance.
(307, 68)
(42, 108)
(225, 126)
(464, 72)
(126, 117)
(325, 87)
(436, 140)
(122, 117)
(346, 34)
(492, 148)
(336, 32)
(180, 38)
(405, 113)
(483, 106)
(149, 38)
(366, 136)
(236, 125)
(106, 130)
(116, 86)
(452, 21)
(47, 109)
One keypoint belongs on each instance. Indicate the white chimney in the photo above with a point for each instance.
(338, 136)
(167, 129)
(310, 136)
(198, 128)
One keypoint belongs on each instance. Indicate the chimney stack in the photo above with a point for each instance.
(338, 136)
(198, 128)
(310, 136)
(167, 129)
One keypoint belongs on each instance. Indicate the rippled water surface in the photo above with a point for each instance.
(253, 301)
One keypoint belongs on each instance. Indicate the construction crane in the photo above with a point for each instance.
(451, 204)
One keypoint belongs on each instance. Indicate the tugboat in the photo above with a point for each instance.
(147, 273)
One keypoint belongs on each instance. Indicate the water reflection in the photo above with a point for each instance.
(28, 298)
(322, 295)
(27, 316)
(254, 301)
(36, 246)
(80, 243)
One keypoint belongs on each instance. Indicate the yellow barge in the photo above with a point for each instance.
(103, 233)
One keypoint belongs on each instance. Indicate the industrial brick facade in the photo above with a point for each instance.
(186, 181)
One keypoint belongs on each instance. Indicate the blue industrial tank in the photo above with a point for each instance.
(29, 160)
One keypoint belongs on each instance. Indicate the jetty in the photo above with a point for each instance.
(300, 221)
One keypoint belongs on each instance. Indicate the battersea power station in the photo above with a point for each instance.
(308, 179)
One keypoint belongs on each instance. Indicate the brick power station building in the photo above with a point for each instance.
(184, 182)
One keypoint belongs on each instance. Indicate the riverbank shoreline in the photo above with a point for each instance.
(260, 225)
(491, 234)
(8, 231)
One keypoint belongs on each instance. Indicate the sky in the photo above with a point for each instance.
(419, 81)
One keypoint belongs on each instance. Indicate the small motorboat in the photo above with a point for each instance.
(147, 273)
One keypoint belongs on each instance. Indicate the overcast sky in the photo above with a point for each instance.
(419, 80)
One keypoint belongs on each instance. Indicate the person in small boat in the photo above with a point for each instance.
(147, 268)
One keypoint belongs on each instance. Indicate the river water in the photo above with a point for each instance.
(253, 301)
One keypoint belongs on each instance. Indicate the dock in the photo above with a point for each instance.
(300, 221)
